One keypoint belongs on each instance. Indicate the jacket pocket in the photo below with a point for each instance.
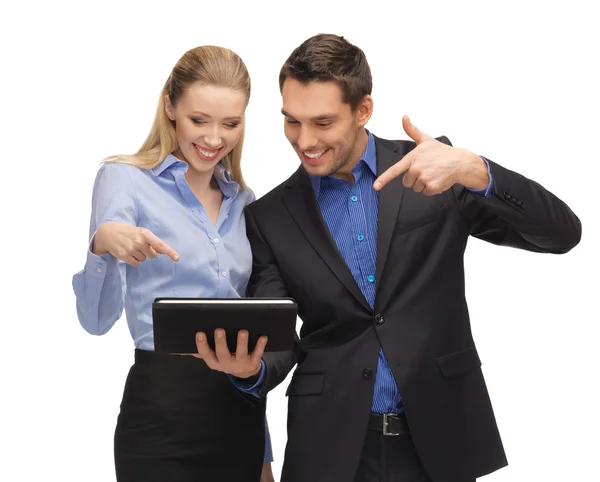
(459, 362)
(306, 384)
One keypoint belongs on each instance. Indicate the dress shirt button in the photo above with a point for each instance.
(367, 373)
(224, 273)
(361, 237)
(99, 270)
(379, 319)
(354, 198)
(371, 278)
(227, 216)
(216, 240)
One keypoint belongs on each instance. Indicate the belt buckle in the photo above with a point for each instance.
(385, 425)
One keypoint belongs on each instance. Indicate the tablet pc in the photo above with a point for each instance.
(177, 320)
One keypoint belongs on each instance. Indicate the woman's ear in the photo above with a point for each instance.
(169, 109)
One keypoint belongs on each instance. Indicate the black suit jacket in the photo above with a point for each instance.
(420, 317)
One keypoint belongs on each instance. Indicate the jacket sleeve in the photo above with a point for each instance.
(520, 214)
(266, 281)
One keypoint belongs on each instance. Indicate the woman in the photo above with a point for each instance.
(168, 222)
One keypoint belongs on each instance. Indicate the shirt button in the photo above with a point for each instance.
(224, 273)
(216, 240)
(99, 270)
(361, 237)
(354, 198)
(379, 319)
(367, 373)
(371, 278)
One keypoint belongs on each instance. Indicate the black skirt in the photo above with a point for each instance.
(181, 421)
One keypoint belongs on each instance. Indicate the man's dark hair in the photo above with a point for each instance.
(327, 57)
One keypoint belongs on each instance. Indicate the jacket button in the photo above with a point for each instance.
(367, 373)
(379, 319)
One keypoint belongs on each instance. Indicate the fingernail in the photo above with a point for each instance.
(176, 257)
(219, 334)
(377, 185)
(200, 337)
(243, 336)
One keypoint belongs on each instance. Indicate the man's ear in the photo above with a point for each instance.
(364, 110)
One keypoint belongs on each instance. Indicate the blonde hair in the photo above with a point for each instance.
(204, 65)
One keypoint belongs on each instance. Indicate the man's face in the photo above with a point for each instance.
(321, 128)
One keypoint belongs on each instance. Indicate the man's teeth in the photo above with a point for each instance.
(314, 155)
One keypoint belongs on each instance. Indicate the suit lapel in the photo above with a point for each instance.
(389, 199)
(301, 203)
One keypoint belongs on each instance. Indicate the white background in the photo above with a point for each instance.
(514, 81)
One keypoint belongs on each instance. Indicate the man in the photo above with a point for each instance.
(368, 237)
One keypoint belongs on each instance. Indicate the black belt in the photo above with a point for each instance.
(388, 423)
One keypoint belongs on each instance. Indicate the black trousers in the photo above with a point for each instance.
(183, 422)
(390, 459)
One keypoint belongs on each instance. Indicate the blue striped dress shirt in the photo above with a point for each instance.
(350, 212)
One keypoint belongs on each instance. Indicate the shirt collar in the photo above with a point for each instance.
(166, 163)
(228, 187)
(368, 158)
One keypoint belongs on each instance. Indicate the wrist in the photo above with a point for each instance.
(252, 377)
(97, 247)
(475, 173)
(256, 373)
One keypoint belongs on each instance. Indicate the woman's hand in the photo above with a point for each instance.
(130, 243)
